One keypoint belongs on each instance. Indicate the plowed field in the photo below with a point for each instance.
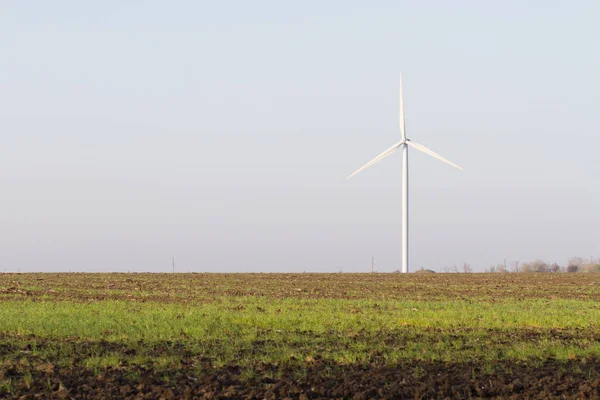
(299, 336)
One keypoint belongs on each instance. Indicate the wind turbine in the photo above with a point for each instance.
(404, 144)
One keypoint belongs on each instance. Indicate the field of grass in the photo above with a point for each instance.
(299, 335)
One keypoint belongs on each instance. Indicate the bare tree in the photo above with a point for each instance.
(467, 268)
(591, 268)
(580, 264)
(501, 268)
(536, 266)
(516, 267)
(578, 261)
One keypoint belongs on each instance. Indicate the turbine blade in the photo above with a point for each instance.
(433, 154)
(402, 126)
(383, 155)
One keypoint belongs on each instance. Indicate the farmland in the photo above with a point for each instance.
(299, 335)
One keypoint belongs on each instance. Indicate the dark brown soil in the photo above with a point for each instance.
(418, 380)
(195, 377)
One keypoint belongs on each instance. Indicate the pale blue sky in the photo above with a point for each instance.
(221, 133)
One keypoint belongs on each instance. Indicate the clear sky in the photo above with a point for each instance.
(221, 133)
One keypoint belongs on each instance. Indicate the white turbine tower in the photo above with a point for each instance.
(404, 143)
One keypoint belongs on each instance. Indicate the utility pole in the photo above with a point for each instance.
(173, 264)
(373, 264)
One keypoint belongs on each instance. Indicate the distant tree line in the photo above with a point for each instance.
(575, 264)
(455, 269)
